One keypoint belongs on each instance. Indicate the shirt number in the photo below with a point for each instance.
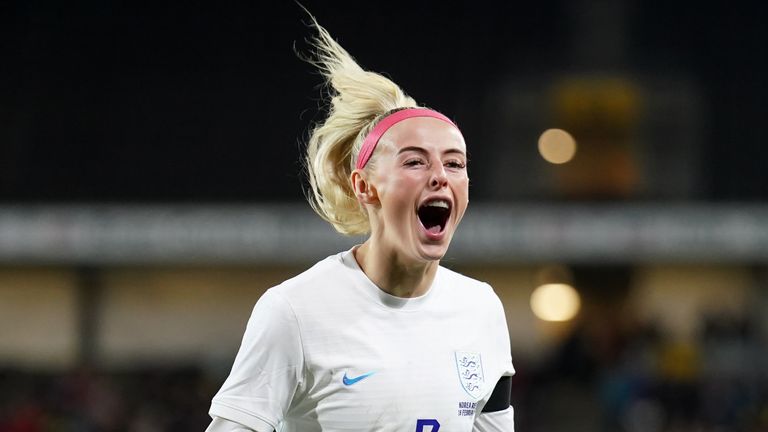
(421, 424)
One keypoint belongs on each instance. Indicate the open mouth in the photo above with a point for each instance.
(434, 215)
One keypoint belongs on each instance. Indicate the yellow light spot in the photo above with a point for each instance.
(557, 146)
(555, 302)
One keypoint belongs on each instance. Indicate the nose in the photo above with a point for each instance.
(438, 179)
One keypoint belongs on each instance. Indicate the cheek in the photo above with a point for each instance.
(462, 185)
(462, 194)
(400, 191)
(405, 181)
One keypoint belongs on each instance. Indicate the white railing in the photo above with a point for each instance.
(291, 233)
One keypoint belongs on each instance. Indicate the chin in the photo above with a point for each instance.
(433, 252)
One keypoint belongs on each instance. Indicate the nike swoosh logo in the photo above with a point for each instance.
(349, 381)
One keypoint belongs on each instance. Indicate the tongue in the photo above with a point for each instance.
(434, 230)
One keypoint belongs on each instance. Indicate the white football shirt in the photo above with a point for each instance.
(329, 351)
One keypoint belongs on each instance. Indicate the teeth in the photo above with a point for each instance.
(437, 203)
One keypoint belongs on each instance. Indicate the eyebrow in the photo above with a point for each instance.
(423, 151)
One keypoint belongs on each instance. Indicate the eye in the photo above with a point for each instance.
(455, 164)
(414, 162)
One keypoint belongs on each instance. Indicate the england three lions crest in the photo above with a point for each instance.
(470, 368)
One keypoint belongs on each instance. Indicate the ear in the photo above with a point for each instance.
(364, 190)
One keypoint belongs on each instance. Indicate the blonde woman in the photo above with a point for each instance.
(379, 337)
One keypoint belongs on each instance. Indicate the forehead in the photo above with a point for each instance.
(428, 133)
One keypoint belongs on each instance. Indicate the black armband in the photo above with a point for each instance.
(501, 398)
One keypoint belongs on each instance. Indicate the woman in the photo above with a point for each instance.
(380, 337)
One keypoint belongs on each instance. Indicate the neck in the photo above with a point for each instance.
(394, 275)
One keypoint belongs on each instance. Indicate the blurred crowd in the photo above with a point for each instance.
(603, 378)
(608, 378)
(89, 401)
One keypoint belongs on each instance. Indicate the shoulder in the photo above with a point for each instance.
(465, 284)
(316, 280)
(285, 305)
(468, 290)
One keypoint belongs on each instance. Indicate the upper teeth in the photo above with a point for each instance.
(438, 203)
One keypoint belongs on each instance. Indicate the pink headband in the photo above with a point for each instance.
(369, 144)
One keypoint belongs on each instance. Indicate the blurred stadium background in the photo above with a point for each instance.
(150, 191)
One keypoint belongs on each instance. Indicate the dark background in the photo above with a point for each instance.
(202, 101)
(207, 102)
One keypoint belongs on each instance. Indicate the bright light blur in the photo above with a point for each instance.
(557, 146)
(555, 302)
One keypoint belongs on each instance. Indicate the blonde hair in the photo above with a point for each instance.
(359, 99)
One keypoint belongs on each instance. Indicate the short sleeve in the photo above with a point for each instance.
(498, 421)
(503, 420)
(267, 369)
(501, 333)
